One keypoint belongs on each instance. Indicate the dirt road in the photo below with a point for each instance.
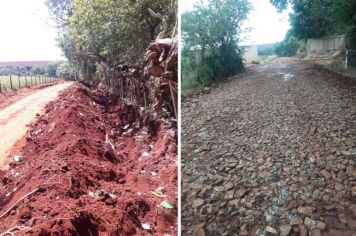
(275, 148)
(14, 118)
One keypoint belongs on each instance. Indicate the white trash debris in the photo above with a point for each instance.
(145, 154)
(160, 190)
(146, 226)
(17, 158)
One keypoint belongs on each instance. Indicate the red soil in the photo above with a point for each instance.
(93, 165)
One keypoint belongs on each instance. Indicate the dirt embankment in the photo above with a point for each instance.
(15, 117)
(92, 167)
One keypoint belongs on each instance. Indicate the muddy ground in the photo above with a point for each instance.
(92, 166)
(271, 153)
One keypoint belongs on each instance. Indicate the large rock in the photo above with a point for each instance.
(271, 230)
(284, 230)
(305, 210)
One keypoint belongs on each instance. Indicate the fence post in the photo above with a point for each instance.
(0, 87)
(18, 78)
(11, 83)
(26, 81)
(31, 80)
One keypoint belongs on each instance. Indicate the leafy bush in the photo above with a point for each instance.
(213, 30)
(218, 64)
(287, 47)
(290, 46)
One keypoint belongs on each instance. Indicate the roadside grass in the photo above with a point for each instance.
(189, 85)
(22, 81)
(266, 59)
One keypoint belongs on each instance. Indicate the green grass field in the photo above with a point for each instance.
(22, 82)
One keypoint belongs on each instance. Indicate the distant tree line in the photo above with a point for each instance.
(55, 69)
(315, 19)
(48, 70)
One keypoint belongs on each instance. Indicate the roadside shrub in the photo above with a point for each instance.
(288, 47)
(218, 64)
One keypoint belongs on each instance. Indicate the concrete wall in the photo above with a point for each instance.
(326, 45)
(250, 53)
(330, 52)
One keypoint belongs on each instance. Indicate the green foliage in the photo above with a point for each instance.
(39, 70)
(266, 51)
(321, 18)
(345, 16)
(67, 71)
(188, 64)
(312, 19)
(280, 4)
(49, 70)
(288, 47)
(211, 31)
(96, 35)
(267, 58)
(60, 10)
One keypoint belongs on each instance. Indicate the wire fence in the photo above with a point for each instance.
(16, 82)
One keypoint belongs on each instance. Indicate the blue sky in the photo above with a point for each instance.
(25, 32)
(267, 25)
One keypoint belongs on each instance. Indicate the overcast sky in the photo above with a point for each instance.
(25, 33)
(267, 26)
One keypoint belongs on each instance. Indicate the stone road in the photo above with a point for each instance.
(271, 153)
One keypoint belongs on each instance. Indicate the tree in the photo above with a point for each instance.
(39, 70)
(60, 11)
(52, 69)
(310, 18)
(320, 18)
(97, 35)
(345, 16)
(215, 27)
(67, 71)
(288, 47)
(195, 29)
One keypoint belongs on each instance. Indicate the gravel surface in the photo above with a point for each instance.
(271, 153)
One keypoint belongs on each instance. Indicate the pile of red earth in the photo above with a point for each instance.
(92, 167)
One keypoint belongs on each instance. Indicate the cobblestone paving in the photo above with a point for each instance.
(272, 153)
